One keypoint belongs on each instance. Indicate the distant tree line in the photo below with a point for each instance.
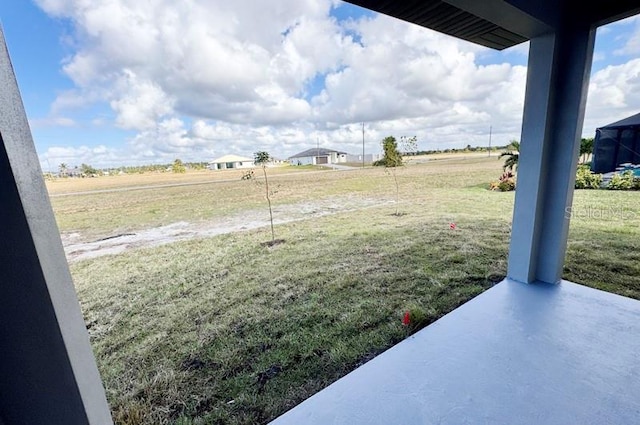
(161, 168)
(467, 148)
(586, 148)
(86, 170)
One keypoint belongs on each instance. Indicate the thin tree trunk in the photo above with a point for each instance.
(266, 181)
(395, 178)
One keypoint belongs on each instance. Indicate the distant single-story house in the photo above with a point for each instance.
(71, 172)
(228, 162)
(616, 143)
(318, 156)
(369, 158)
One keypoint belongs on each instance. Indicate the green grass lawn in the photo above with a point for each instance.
(604, 241)
(227, 331)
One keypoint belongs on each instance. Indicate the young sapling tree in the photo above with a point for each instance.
(261, 159)
(393, 159)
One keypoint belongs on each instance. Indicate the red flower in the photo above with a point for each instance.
(406, 319)
(452, 226)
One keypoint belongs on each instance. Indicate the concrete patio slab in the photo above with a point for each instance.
(517, 354)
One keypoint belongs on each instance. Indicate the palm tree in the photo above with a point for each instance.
(512, 155)
(63, 169)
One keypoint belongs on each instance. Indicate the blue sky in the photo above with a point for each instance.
(113, 83)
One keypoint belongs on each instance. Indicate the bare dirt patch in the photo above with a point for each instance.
(77, 250)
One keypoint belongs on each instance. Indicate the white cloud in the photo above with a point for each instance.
(202, 130)
(200, 78)
(632, 43)
(211, 59)
(53, 122)
(614, 94)
(75, 99)
(139, 104)
(421, 81)
(75, 156)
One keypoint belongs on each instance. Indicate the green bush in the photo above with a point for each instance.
(178, 167)
(585, 179)
(507, 185)
(506, 182)
(622, 181)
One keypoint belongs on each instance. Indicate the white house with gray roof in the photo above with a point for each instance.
(228, 162)
(318, 156)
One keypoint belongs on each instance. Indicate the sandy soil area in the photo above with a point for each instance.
(180, 231)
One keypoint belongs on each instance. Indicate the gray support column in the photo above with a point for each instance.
(557, 82)
(48, 374)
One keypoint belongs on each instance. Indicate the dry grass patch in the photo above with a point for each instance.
(61, 186)
(98, 215)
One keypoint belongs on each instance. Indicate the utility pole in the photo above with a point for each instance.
(362, 145)
(489, 140)
(317, 149)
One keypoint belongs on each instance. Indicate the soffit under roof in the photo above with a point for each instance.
(500, 24)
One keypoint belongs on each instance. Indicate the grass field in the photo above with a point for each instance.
(224, 330)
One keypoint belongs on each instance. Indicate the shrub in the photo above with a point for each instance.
(507, 185)
(178, 167)
(585, 179)
(392, 156)
(622, 181)
(506, 182)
